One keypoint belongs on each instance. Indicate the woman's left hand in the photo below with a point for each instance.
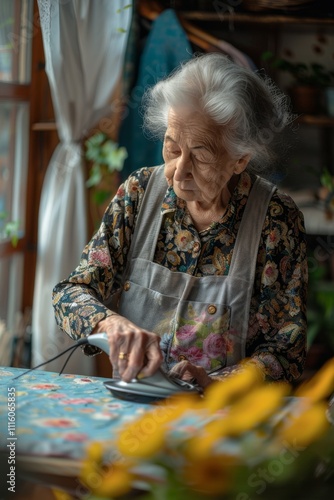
(189, 372)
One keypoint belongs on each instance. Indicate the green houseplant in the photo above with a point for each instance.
(310, 81)
(312, 74)
(9, 229)
(106, 159)
(326, 193)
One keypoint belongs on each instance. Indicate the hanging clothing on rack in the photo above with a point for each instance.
(235, 54)
(166, 47)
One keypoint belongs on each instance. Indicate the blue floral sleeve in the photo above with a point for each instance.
(277, 325)
(80, 301)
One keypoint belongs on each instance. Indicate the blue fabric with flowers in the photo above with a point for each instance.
(59, 415)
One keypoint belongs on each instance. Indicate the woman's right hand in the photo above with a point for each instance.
(140, 348)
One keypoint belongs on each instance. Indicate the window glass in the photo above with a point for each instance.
(16, 33)
(14, 127)
(11, 272)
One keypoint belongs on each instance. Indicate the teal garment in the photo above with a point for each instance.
(167, 46)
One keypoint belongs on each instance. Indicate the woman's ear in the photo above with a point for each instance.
(241, 164)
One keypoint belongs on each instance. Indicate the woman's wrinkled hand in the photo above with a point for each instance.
(190, 373)
(132, 349)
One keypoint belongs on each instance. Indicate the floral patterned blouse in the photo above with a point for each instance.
(276, 338)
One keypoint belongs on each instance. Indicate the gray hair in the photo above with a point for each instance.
(248, 108)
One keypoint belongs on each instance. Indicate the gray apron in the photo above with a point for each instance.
(202, 319)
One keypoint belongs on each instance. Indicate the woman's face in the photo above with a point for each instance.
(196, 163)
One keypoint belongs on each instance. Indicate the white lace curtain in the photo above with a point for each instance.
(84, 44)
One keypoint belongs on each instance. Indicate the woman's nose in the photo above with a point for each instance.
(182, 168)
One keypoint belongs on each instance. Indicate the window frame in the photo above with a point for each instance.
(41, 144)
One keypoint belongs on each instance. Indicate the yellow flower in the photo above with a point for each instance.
(61, 495)
(255, 408)
(95, 453)
(305, 428)
(182, 403)
(222, 392)
(211, 476)
(321, 385)
(112, 481)
(101, 480)
(244, 415)
(144, 437)
(93, 460)
(201, 446)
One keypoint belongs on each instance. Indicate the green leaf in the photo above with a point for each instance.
(14, 239)
(267, 55)
(95, 176)
(304, 74)
(96, 140)
(313, 328)
(128, 6)
(203, 331)
(215, 363)
(105, 152)
(327, 180)
(12, 232)
(101, 196)
(8, 22)
(116, 159)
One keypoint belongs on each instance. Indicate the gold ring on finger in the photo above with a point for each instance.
(123, 355)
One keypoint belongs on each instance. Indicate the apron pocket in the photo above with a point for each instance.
(201, 334)
(192, 330)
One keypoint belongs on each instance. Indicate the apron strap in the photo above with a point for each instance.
(243, 263)
(245, 252)
(145, 235)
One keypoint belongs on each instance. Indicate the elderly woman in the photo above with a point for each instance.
(200, 262)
